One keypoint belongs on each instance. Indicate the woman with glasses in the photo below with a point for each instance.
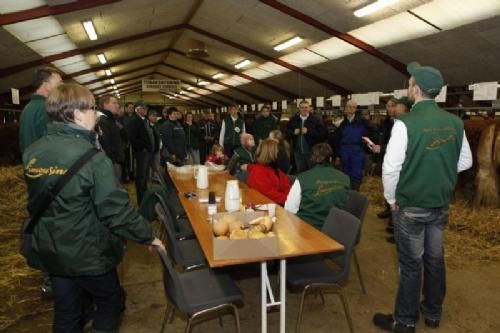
(79, 238)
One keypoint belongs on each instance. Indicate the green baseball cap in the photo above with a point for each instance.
(427, 78)
(405, 101)
(138, 103)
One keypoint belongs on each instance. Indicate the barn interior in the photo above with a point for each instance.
(205, 55)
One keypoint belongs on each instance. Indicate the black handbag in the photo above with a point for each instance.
(26, 247)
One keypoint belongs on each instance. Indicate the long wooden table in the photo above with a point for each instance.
(295, 237)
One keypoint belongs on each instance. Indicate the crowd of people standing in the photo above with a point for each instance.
(308, 167)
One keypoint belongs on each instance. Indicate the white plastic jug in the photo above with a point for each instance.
(201, 175)
(232, 197)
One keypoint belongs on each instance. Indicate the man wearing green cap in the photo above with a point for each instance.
(427, 149)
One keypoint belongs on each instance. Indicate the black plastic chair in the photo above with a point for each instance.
(198, 293)
(164, 180)
(314, 274)
(186, 253)
(181, 227)
(357, 205)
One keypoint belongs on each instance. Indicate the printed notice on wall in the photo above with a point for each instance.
(484, 91)
(283, 104)
(320, 102)
(441, 98)
(372, 98)
(400, 93)
(15, 95)
(336, 100)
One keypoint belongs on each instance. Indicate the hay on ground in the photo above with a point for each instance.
(19, 284)
(471, 234)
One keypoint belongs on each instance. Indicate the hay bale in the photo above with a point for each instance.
(19, 284)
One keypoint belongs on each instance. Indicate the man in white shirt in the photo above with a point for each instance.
(427, 149)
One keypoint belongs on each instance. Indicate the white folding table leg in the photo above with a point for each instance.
(282, 295)
(263, 296)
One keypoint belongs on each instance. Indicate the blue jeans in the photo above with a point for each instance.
(419, 236)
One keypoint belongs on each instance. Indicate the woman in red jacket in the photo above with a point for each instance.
(265, 176)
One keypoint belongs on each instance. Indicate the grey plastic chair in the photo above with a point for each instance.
(313, 274)
(198, 293)
(186, 253)
(181, 227)
(357, 205)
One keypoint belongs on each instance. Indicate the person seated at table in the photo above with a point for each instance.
(217, 155)
(265, 176)
(317, 190)
(242, 157)
(283, 150)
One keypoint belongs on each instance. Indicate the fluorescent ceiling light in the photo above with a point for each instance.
(102, 58)
(190, 88)
(89, 29)
(182, 92)
(115, 87)
(242, 64)
(216, 76)
(373, 7)
(108, 72)
(203, 83)
(112, 81)
(288, 43)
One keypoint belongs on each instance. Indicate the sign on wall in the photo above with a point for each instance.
(15, 95)
(153, 85)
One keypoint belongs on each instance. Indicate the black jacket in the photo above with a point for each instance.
(209, 132)
(385, 130)
(110, 137)
(316, 132)
(138, 135)
(174, 139)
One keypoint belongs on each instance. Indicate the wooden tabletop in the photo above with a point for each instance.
(296, 237)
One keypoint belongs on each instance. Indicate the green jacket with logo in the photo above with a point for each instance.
(33, 122)
(429, 172)
(81, 231)
(322, 187)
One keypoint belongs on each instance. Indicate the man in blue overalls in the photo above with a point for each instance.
(350, 144)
